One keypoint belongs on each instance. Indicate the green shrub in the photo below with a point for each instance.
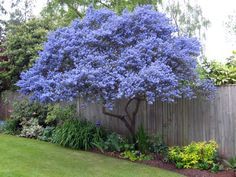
(11, 126)
(220, 73)
(58, 113)
(158, 146)
(77, 134)
(201, 155)
(31, 128)
(113, 142)
(26, 110)
(47, 134)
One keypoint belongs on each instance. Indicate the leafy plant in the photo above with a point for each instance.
(158, 146)
(216, 167)
(31, 128)
(135, 155)
(77, 134)
(142, 140)
(59, 113)
(11, 126)
(201, 155)
(113, 142)
(231, 163)
(24, 109)
(47, 134)
(220, 73)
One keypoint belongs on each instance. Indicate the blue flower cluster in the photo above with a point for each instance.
(106, 56)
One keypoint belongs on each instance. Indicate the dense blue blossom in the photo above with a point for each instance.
(106, 56)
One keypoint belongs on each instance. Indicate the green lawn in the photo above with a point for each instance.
(21, 157)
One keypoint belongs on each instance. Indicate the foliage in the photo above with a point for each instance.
(113, 142)
(187, 16)
(142, 140)
(134, 55)
(58, 113)
(221, 74)
(47, 134)
(62, 72)
(134, 155)
(26, 110)
(31, 128)
(77, 134)
(231, 163)
(158, 146)
(22, 43)
(216, 167)
(11, 126)
(201, 155)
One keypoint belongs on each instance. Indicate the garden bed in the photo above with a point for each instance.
(158, 162)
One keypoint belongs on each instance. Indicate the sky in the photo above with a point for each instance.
(217, 46)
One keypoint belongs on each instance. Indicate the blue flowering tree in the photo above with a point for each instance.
(104, 57)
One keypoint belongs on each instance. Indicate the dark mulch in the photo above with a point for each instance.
(158, 162)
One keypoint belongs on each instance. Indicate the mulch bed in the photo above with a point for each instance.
(158, 162)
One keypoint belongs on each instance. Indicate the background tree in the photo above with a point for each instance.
(105, 57)
(230, 25)
(22, 44)
(187, 16)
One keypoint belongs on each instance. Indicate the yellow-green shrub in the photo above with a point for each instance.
(201, 155)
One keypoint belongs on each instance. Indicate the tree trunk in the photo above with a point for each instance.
(129, 118)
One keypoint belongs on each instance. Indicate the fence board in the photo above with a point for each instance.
(185, 121)
(179, 123)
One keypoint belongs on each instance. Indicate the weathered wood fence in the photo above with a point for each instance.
(182, 122)
(179, 123)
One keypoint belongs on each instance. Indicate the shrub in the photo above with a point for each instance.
(220, 73)
(158, 146)
(47, 134)
(11, 126)
(31, 128)
(113, 142)
(201, 155)
(58, 113)
(77, 134)
(26, 110)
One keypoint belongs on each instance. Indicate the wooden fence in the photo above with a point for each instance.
(182, 122)
(179, 123)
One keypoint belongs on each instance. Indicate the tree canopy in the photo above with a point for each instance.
(104, 57)
(21, 46)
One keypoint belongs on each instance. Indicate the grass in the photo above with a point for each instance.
(21, 157)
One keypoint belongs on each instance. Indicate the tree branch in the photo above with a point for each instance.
(104, 4)
(74, 9)
(126, 108)
(120, 117)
